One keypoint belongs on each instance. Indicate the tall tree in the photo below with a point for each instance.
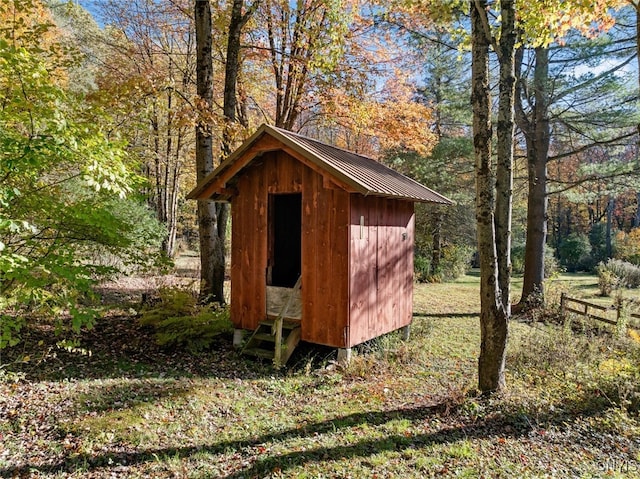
(577, 106)
(146, 78)
(493, 314)
(505, 133)
(212, 281)
(536, 131)
(303, 39)
(213, 217)
(211, 237)
(447, 168)
(237, 22)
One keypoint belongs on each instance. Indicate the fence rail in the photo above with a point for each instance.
(590, 310)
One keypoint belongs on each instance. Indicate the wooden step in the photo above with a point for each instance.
(262, 342)
(265, 337)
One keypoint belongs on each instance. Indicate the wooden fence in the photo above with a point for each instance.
(590, 310)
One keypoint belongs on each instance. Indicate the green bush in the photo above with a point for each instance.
(626, 274)
(422, 267)
(607, 281)
(594, 372)
(455, 261)
(628, 246)
(575, 253)
(598, 241)
(66, 188)
(551, 265)
(180, 321)
(517, 260)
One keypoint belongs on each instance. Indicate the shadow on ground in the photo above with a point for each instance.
(501, 425)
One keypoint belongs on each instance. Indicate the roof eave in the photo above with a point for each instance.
(196, 193)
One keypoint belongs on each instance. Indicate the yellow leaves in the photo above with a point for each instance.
(628, 245)
(544, 21)
(616, 367)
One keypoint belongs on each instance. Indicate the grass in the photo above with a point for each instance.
(132, 409)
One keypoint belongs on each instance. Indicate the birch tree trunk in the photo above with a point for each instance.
(493, 320)
(636, 5)
(505, 133)
(211, 236)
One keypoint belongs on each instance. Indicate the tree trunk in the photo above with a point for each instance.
(609, 244)
(537, 133)
(211, 244)
(493, 320)
(436, 250)
(505, 132)
(231, 70)
(637, 7)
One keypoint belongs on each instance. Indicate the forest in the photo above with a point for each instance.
(116, 354)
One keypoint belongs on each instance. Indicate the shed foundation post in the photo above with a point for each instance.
(238, 336)
(344, 355)
(405, 332)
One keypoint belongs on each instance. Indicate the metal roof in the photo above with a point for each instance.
(363, 174)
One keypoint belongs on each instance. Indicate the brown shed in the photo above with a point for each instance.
(341, 222)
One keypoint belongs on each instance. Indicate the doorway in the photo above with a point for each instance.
(285, 239)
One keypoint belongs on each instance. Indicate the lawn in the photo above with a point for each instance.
(120, 406)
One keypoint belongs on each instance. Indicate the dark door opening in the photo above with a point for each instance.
(285, 244)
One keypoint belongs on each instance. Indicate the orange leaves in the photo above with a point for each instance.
(389, 119)
(28, 25)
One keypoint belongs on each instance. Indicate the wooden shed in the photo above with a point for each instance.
(320, 235)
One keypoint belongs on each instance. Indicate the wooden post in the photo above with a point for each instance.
(238, 336)
(405, 332)
(277, 325)
(562, 304)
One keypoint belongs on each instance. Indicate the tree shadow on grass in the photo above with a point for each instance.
(119, 347)
(504, 424)
(129, 394)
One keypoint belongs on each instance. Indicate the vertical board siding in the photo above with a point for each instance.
(381, 270)
(325, 247)
(324, 262)
(249, 257)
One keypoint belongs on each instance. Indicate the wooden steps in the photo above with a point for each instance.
(262, 343)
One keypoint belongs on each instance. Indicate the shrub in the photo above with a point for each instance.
(517, 260)
(607, 281)
(575, 253)
(179, 320)
(628, 246)
(598, 241)
(455, 262)
(551, 265)
(591, 372)
(422, 267)
(627, 274)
